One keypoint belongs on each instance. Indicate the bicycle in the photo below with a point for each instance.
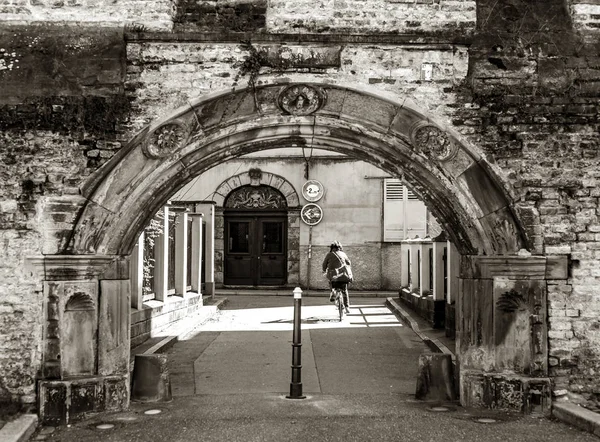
(339, 301)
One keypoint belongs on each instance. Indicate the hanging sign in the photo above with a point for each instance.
(311, 214)
(312, 191)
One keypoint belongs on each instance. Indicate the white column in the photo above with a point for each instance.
(197, 219)
(137, 273)
(404, 271)
(161, 260)
(209, 260)
(425, 268)
(438, 270)
(181, 242)
(453, 262)
(414, 265)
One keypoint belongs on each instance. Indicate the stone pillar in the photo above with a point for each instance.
(137, 274)
(181, 255)
(85, 352)
(404, 264)
(197, 220)
(414, 265)
(502, 331)
(425, 267)
(209, 261)
(161, 260)
(453, 269)
(438, 270)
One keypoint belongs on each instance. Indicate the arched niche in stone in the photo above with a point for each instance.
(78, 335)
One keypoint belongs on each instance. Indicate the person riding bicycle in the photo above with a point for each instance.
(335, 260)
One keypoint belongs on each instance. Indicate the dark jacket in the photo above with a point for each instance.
(334, 260)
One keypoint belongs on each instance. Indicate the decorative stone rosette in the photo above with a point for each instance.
(432, 141)
(167, 139)
(301, 99)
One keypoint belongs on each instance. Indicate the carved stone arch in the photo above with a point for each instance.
(472, 201)
(266, 178)
(469, 199)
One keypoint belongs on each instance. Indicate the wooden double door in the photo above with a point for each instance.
(255, 249)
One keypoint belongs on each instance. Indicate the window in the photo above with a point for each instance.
(404, 215)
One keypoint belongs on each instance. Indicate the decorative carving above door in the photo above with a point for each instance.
(251, 197)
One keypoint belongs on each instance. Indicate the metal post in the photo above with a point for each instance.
(296, 384)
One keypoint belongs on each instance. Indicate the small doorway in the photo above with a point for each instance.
(255, 234)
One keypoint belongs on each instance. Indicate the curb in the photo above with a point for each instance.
(577, 416)
(169, 341)
(19, 430)
(434, 344)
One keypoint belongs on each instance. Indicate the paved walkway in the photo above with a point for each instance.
(231, 375)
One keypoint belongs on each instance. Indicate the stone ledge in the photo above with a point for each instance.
(259, 37)
(19, 430)
(577, 416)
(434, 344)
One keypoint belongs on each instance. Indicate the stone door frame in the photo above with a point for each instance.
(254, 177)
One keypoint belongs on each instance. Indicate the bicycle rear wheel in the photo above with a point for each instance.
(340, 303)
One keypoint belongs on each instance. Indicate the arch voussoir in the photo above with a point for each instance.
(393, 136)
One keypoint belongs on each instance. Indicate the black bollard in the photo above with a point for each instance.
(296, 384)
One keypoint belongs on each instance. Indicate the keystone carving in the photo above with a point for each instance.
(165, 140)
(255, 176)
(433, 141)
(301, 100)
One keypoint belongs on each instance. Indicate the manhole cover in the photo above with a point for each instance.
(154, 411)
(105, 426)
(486, 420)
(440, 409)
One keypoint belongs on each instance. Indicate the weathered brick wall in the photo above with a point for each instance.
(61, 97)
(282, 16)
(164, 76)
(534, 96)
(372, 16)
(152, 14)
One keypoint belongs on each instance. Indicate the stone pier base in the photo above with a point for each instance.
(508, 392)
(65, 401)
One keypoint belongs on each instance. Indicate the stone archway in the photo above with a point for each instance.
(466, 196)
(255, 177)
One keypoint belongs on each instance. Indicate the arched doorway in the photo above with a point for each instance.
(274, 202)
(492, 233)
(255, 231)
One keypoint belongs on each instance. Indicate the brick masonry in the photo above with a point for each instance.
(524, 94)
